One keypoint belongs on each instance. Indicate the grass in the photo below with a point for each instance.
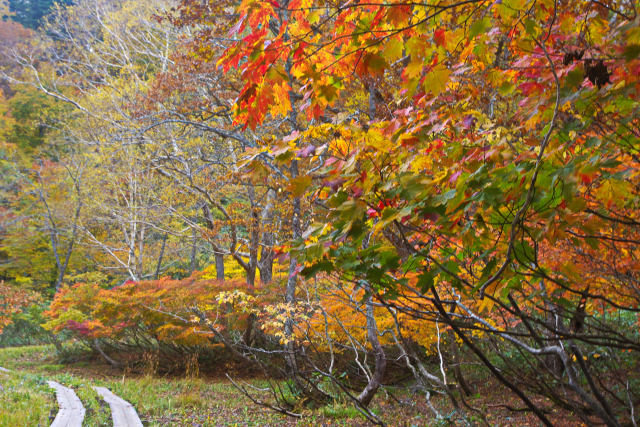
(160, 401)
(191, 401)
(25, 400)
(23, 357)
(339, 411)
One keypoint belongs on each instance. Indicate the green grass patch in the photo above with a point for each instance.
(24, 357)
(52, 368)
(339, 411)
(25, 400)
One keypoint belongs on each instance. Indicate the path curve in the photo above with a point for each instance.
(71, 412)
(123, 413)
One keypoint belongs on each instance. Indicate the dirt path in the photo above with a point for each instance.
(71, 412)
(123, 413)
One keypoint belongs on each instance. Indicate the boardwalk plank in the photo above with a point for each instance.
(71, 412)
(122, 412)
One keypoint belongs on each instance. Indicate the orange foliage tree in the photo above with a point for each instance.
(164, 315)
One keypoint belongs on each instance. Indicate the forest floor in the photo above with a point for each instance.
(26, 400)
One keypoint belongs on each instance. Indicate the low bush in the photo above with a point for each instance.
(157, 322)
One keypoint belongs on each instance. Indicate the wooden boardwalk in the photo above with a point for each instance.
(71, 412)
(123, 413)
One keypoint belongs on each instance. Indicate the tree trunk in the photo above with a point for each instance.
(457, 371)
(110, 361)
(74, 235)
(365, 397)
(251, 277)
(254, 239)
(248, 332)
(56, 343)
(266, 270)
(194, 251)
(53, 236)
(265, 265)
(219, 266)
(290, 295)
(380, 360)
(159, 266)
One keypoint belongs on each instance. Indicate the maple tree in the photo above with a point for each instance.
(165, 315)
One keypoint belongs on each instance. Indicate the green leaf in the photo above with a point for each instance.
(488, 270)
(479, 26)
(426, 281)
(506, 88)
(613, 191)
(514, 4)
(523, 251)
(531, 27)
(321, 266)
(374, 63)
(631, 52)
(442, 199)
(413, 262)
(575, 78)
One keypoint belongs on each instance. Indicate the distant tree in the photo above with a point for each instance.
(34, 115)
(11, 34)
(30, 12)
(12, 300)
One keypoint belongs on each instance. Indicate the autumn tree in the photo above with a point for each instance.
(12, 301)
(123, 45)
(494, 133)
(459, 179)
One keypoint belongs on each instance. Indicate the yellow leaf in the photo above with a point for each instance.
(613, 191)
(297, 186)
(436, 80)
(392, 50)
(280, 107)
